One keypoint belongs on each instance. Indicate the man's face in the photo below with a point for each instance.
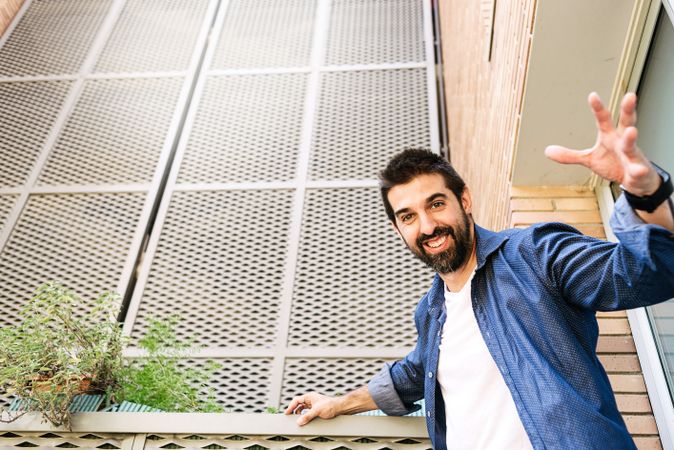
(432, 222)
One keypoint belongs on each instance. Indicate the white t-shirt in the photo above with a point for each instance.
(479, 409)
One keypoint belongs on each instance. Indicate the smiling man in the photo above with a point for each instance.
(506, 350)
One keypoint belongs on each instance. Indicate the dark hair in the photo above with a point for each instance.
(412, 162)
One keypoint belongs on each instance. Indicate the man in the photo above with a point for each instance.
(506, 350)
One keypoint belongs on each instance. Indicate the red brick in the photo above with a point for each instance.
(641, 424)
(613, 326)
(576, 204)
(620, 363)
(616, 344)
(633, 403)
(648, 442)
(571, 217)
(627, 383)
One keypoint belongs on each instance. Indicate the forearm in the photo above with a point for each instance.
(355, 402)
(663, 216)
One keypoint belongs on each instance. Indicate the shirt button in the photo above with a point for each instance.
(488, 334)
(430, 374)
(428, 413)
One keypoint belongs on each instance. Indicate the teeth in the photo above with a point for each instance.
(437, 243)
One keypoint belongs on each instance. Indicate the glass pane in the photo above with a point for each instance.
(656, 139)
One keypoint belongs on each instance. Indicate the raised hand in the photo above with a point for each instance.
(615, 155)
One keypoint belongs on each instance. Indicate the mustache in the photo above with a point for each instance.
(438, 231)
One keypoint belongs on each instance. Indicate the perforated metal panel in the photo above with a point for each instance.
(292, 286)
(28, 113)
(266, 33)
(157, 441)
(241, 385)
(375, 31)
(115, 134)
(259, 260)
(364, 118)
(329, 376)
(356, 284)
(219, 264)
(247, 129)
(81, 240)
(6, 204)
(53, 37)
(153, 35)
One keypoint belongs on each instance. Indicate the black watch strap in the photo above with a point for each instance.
(649, 203)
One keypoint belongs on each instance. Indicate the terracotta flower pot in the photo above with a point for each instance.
(43, 383)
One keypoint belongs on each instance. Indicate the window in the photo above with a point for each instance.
(656, 138)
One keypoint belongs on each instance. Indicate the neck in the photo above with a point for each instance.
(457, 279)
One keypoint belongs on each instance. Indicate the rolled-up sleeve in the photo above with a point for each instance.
(383, 392)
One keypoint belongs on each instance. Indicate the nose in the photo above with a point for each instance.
(427, 224)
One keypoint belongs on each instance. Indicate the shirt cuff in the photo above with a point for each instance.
(385, 396)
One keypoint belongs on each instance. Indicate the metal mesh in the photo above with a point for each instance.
(327, 376)
(81, 240)
(242, 385)
(6, 205)
(376, 31)
(219, 265)
(115, 134)
(52, 38)
(20, 439)
(266, 33)
(239, 385)
(153, 35)
(247, 129)
(366, 117)
(356, 284)
(42, 440)
(28, 112)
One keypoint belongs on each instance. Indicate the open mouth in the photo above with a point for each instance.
(437, 244)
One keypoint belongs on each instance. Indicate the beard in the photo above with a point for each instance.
(454, 257)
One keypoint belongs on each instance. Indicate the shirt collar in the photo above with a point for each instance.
(487, 243)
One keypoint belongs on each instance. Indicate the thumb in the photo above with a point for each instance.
(565, 155)
(307, 417)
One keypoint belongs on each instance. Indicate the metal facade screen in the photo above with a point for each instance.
(221, 155)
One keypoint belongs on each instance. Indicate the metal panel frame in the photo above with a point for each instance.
(280, 351)
(86, 73)
(234, 423)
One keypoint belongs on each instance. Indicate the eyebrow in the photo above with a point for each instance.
(430, 199)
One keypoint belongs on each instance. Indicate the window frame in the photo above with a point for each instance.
(644, 21)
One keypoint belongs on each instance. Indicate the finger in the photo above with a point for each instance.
(294, 404)
(629, 146)
(565, 155)
(628, 111)
(601, 114)
(307, 417)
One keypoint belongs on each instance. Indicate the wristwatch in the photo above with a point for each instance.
(649, 203)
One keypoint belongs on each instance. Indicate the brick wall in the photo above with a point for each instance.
(578, 206)
(8, 9)
(484, 97)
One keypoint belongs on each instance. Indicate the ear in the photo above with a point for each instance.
(467, 200)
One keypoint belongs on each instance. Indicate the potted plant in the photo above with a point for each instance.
(63, 347)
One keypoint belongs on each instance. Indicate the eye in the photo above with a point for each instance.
(437, 204)
(406, 218)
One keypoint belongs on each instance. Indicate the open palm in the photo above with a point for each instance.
(615, 155)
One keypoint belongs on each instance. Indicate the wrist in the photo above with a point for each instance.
(650, 198)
